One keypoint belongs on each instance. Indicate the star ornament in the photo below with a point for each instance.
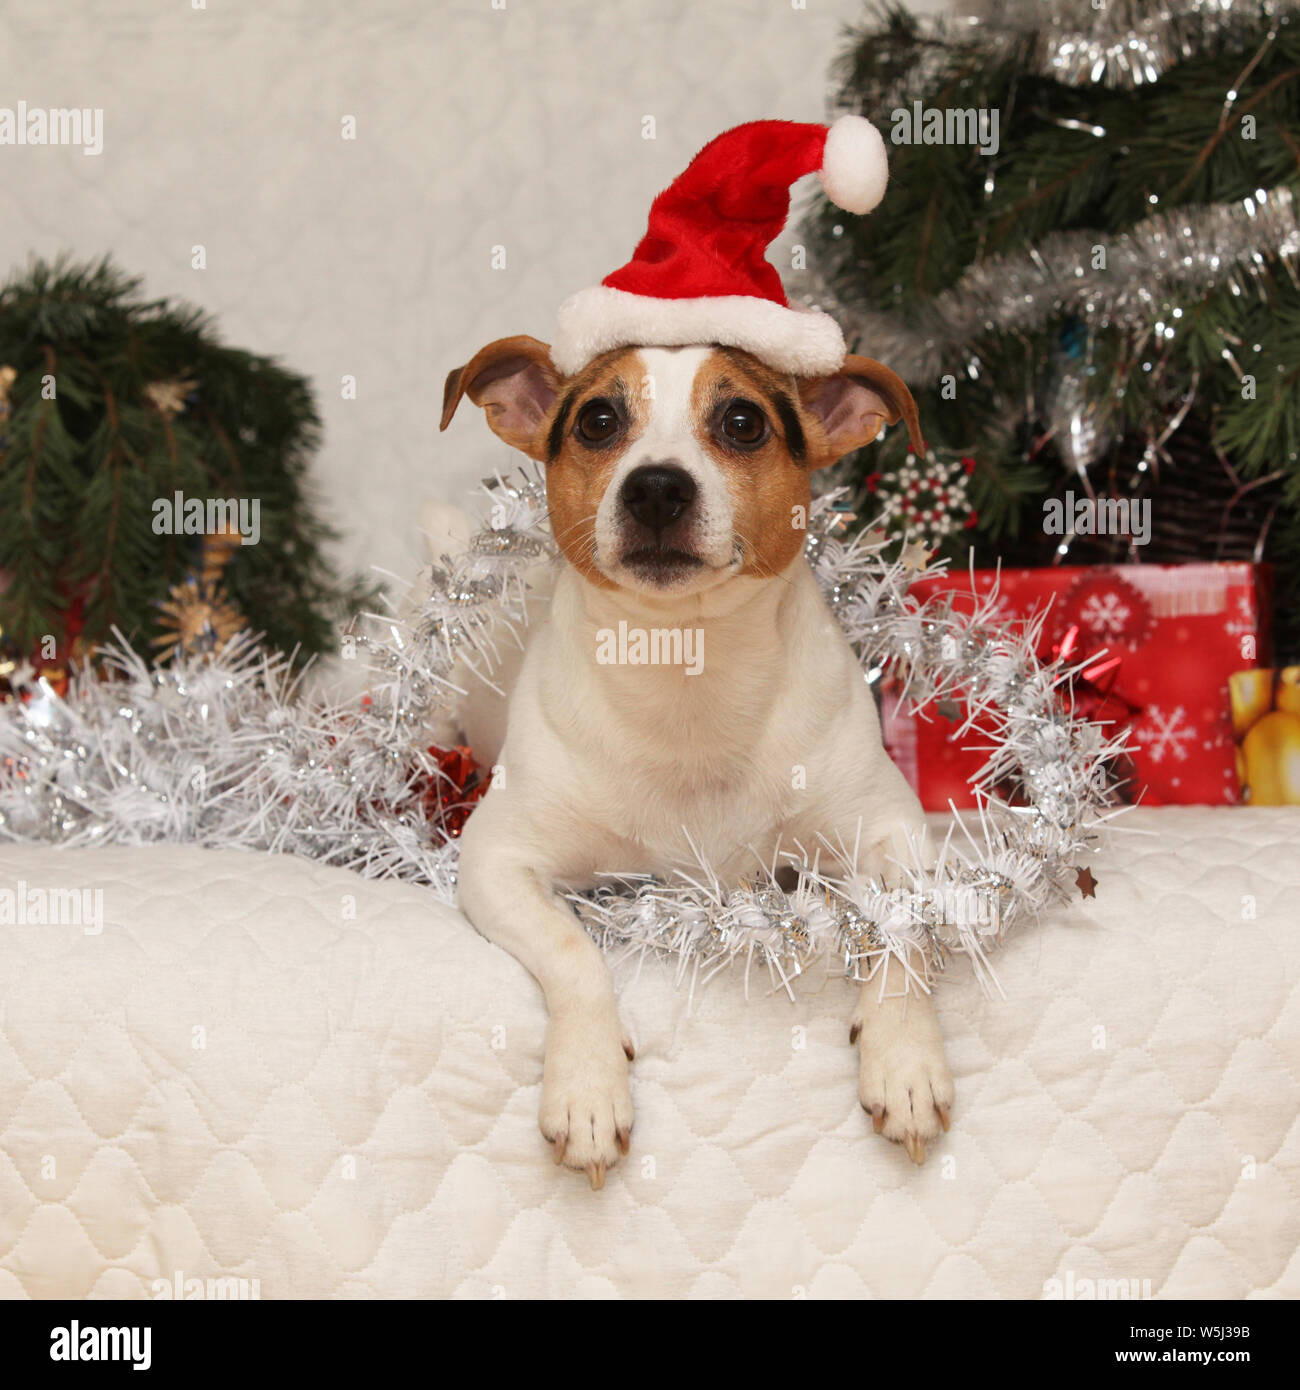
(20, 674)
(914, 556)
(196, 620)
(169, 397)
(1085, 883)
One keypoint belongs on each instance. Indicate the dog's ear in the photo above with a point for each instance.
(515, 382)
(852, 405)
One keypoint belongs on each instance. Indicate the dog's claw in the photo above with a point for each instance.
(877, 1118)
(596, 1172)
(915, 1147)
(561, 1143)
(629, 1051)
(944, 1118)
(624, 1137)
(854, 1033)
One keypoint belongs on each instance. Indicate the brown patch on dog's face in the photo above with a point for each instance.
(598, 416)
(767, 430)
(753, 427)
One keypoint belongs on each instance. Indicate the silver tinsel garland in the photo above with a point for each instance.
(1121, 43)
(1139, 279)
(229, 752)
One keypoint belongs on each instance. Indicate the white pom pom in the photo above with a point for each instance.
(855, 167)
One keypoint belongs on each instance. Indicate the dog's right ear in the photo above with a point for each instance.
(515, 382)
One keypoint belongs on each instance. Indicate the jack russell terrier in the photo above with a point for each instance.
(678, 461)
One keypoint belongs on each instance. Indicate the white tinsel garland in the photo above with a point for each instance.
(228, 752)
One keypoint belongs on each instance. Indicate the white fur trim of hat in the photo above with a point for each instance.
(806, 342)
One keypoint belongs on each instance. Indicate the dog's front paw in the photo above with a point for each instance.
(903, 1079)
(586, 1105)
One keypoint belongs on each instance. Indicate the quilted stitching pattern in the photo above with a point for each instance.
(357, 1115)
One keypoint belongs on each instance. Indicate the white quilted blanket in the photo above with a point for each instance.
(267, 1070)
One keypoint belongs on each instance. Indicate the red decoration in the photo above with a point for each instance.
(1158, 642)
(19, 671)
(454, 789)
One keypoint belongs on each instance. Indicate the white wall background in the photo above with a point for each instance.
(476, 127)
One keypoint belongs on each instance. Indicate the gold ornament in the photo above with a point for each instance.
(8, 375)
(1252, 698)
(1288, 690)
(1272, 754)
(217, 552)
(198, 618)
(168, 397)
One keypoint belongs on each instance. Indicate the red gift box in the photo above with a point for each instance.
(1172, 635)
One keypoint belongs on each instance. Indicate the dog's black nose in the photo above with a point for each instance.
(656, 494)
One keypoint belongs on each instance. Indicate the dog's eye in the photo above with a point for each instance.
(744, 423)
(598, 422)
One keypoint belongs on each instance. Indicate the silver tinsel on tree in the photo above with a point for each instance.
(228, 752)
(1118, 43)
(1129, 281)
(1137, 284)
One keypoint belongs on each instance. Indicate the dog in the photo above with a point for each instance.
(678, 482)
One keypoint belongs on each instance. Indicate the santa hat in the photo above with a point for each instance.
(699, 274)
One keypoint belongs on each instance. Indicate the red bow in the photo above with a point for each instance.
(1093, 685)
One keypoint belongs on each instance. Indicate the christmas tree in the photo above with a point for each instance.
(1086, 270)
(121, 421)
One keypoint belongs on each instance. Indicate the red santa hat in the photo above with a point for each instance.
(699, 275)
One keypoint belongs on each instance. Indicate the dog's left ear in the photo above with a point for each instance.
(852, 405)
(515, 382)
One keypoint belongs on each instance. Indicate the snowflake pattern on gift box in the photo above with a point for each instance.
(1106, 614)
(1107, 609)
(1161, 734)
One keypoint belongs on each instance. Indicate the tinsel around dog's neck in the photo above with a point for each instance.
(226, 752)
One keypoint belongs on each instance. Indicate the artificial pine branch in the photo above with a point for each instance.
(79, 473)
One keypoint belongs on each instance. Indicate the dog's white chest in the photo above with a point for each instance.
(659, 764)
